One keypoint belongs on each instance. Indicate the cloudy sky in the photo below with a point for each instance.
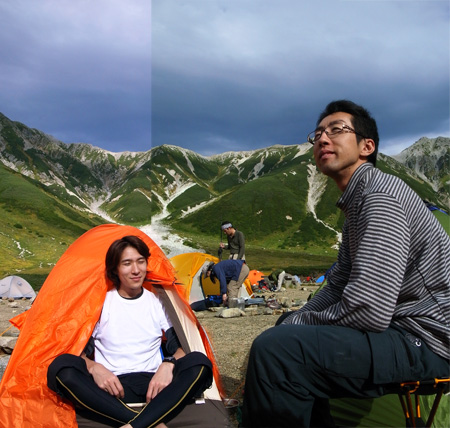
(79, 70)
(221, 75)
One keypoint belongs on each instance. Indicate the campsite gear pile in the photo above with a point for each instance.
(237, 302)
(269, 283)
(273, 304)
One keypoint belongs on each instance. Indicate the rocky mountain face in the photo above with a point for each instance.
(430, 159)
(274, 194)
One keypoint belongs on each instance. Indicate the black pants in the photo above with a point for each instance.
(294, 369)
(68, 376)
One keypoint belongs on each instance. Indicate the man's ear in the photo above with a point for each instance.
(368, 147)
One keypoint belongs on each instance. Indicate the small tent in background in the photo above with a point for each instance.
(188, 270)
(62, 319)
(16, 287)
(254, 276)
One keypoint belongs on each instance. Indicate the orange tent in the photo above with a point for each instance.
(254, 276)
(61, 320)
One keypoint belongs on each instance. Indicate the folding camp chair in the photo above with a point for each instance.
(428, 387)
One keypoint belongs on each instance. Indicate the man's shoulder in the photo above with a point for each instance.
(149, 295)
(383, 182)
(110, 294)
(229, 263)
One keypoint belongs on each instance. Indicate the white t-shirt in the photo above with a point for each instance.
(128, 335)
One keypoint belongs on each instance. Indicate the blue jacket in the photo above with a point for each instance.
(226, 271)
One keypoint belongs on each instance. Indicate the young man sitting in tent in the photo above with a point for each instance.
(123, 362)
(383, 318)
(231, 275)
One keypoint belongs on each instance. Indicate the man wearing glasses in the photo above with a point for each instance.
(383, 318)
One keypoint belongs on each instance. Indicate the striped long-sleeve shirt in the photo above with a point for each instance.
(393, 265)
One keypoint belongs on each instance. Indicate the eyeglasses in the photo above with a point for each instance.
(332, 130)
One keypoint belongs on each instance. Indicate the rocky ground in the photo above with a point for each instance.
(231, 337)
(8, 333)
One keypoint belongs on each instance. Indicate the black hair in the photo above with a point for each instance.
(362, 121)
(115, 251)
(212, 275)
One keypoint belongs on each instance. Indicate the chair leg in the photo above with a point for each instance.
(433, 411)
(405, 400)
(440, 386)
(412, 419)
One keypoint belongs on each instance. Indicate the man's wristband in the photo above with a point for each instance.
(169, 360)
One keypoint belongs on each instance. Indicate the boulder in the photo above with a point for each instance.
(7, 344)
(230, 313)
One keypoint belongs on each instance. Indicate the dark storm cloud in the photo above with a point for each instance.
(238, 75)
(222, 75)
(79, 70)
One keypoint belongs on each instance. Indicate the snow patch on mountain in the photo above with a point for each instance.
(244, 156)
(191, 167)
(95, 205)
(302, 149)
(175, 192)
(23, 251)
(197, 207)
(256, 169)
(177, 187)
(317, 184)
(143, 193)
(168, 241)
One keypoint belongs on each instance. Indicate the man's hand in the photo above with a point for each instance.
(104, 378)
(224, 298)
(160, 380)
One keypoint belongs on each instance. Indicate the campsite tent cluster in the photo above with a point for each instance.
(188, 268)
(64, 314)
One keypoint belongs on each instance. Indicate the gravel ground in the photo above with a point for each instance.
(232, 337)
(9, 310)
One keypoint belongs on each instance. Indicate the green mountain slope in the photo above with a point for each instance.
(51, 192)
(35, 226)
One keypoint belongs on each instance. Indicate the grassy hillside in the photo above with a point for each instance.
(271, 211)
(444, 219)
(35, 227)
(297, 261)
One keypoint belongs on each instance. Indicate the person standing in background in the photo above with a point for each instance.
(236, 241)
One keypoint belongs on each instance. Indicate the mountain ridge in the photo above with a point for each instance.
(274, 194)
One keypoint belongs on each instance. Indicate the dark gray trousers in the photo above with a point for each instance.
(68, 376)
(294, 369)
